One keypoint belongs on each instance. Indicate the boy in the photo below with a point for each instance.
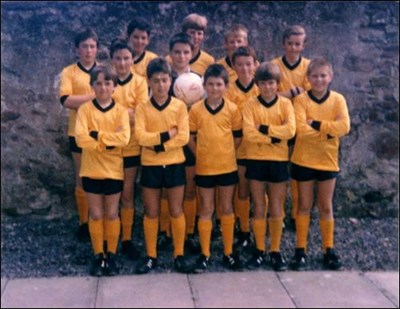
(322, 118)
(195, 25)
(102, 129)
(215, 133)
(162, 129)
(268, 123)
(74, 91)
(234, 38)
(239, 92)
(294, 81)
(131, 91)
(139, 38)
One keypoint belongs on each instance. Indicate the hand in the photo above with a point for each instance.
(172, 132)
(119, 129)
(309, 121)
(300, 90)
(257, 125)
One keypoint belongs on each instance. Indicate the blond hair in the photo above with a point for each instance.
(317, 63)
(237, 30)
(194, 21)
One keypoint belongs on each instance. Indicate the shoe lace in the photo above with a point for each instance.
(230, 260)
(149, 263)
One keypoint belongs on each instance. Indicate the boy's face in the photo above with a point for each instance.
(159, 84)
(320, 78)
(294, 45)
(268, 88)
(122, 61)
(180, 55)
(87, 51)
(197, 37)
(139, 40)
(234, 41)
(103, 89)
(215, 87)
(244, 66)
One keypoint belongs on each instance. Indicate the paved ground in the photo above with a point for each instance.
(257, 289)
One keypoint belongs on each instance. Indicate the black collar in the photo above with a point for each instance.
(228, 61)
(267, 104)
(103, 110)
(195, 58)
(316, 100)
(162, 106)
(243, 88)
(126, 80)
(83, 68)
(140, 58)
(214, 111)
(287, 64)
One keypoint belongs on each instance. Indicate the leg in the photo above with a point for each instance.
(178, 226)
(227, 217)
(80, 199)
(127, 197)
(306, 200)
(190, 202)
(96, 227)
(205, 212)
(151, 201)
(242, 201)
(257, 189)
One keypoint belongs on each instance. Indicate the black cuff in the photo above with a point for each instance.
(330, 136)
(164, 136)
(292, 93)
(316, 125)
(237, 133)
(94, 134)
(63, 99)
(193, 132)
(263, 129)
(275, 140)
(159, 148)
(110, 147)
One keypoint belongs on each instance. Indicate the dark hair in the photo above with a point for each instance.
(88, 33)
(216, 70)
(158, 65)
(140, 24)
(108, 71)
(181, 37)
(244, 51)
(294, 30)
(118, 44)
(267, 71)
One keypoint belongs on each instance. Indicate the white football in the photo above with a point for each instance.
(188, 87)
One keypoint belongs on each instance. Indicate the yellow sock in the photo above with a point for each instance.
(165, 223)
(266, 206)
(275, 234)
(150, 228)
(82, 205)
(302, 224)
(178, 234)
(113, 228)
(127, 215)
(327, 227)
(295, 197)
(227, 227)
(205, 227)
(259, 230)
(190, 210)
(96, 235)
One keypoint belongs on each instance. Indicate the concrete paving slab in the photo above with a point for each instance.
(145, 291)
(388, 283)
(3, 284)
(79, 292)
(333, 290)
(257, 289)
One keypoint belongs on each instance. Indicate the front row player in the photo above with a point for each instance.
(102, 130)
(162, 129)
(322, 118)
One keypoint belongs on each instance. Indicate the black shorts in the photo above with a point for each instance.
(163, 176)
(212, 181)
(241, 162)
(73, 147)
(270, 171)
(189, 156)
(301, 173)
(133, 161)
(102, 186)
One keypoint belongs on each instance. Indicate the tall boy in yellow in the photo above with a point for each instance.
(293, 68)
(215, 133)
(195, 25)
(131, 91)
(162, 129)
(102, 130)
(75, 90)
(138, 33)
(239, 92)
(322, 118)
(268, 123)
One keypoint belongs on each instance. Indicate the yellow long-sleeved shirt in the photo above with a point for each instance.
(226, 62)
(200, 62)
(278, 115)
(317, 146)
(293, 76)
(75, 80)
(151, 123)
(112, 125)
(130, 93)
(140, 65)
(215, 149)
(239, 95)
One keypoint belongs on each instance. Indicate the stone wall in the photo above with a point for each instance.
(359, 38)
